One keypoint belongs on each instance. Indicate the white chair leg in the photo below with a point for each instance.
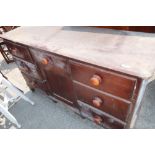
(25, 98)
(9, 116)
(18, 92)
(9, 98)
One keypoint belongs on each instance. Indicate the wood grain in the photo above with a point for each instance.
(129, 52)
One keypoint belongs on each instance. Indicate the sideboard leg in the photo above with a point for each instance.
(138, 104)
(32, 89)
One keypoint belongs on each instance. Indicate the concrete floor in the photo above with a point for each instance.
(47, 114)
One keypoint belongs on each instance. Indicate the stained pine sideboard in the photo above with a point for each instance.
(100, 74)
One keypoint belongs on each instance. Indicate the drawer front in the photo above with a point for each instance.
(20, 51)
(110, 105)
(100, 118)
(110, 82)
(106, 121)
(50, 62)
(28, 68)
(33, 83)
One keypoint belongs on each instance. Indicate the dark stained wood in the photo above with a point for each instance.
(108, 96)
(106, 122)
(116, 84)
(28, 68)
(34, 83)
(105, 48)
(134, 100)
(109, 104)
(4, 49)
(19, 51)
(115, 27)
(8, 28)
(61, 86)
(148, 29)
(56, 73)
(5, 52)
(72, 81)
(100, 118)
(53, 74)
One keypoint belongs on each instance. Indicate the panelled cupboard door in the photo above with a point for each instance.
(61, 87)
(54, 69)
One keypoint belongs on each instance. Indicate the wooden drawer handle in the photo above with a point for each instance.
(95, 80)
(14, 50)
(97, 102)
(97, 119)
(44, 61)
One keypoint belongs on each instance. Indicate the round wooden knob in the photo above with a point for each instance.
(44, 61)
(97, 102)
(97, 119)
(95, 80)
(14, 50)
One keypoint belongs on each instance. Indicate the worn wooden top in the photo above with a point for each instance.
(128, 52)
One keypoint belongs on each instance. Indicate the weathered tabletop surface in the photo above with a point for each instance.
(128, 52)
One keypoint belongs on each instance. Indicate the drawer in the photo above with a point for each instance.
(100, 118)
(108, 81)
(104, 121)
(28, 68)
(50, 62)
(33, 83)
(20, 51)
(108, 104)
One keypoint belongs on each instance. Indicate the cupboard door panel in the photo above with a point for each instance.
(61, 87)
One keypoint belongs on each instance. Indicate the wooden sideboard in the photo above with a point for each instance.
(100, 74)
